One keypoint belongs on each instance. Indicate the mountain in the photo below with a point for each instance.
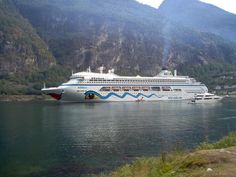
(122, 34)
(115, 34)
(201, 17)
(126, 35)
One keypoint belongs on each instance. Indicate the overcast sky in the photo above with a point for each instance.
(228, 5)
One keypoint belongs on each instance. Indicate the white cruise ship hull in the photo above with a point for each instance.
(109, 87)
(81, 93)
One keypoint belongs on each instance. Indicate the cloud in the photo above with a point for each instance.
(228, 5)
(153, 3)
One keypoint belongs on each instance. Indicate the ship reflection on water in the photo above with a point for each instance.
(155, 126)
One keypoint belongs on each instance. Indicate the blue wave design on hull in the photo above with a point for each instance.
(123, 96)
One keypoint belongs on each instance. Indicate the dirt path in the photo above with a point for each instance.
(213, 163)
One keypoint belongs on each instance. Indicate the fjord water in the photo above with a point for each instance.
(53, 139)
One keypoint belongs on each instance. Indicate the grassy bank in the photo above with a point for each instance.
(208, 159)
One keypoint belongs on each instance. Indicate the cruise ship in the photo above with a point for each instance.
(108, 87)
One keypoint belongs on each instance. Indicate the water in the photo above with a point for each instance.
(51, 139)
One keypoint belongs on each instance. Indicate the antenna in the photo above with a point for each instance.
(89, 69)
(175, 72)
(72, 72)
(44, 85)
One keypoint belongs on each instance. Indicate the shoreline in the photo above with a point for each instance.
(207, 159)
(24, 98)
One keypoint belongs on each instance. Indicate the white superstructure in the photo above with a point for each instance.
(101, 87)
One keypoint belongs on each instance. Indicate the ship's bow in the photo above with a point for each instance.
(54, 92)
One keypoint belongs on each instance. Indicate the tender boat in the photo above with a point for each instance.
(206, 98)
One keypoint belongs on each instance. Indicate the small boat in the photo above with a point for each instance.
(206, 98)
(140, 100)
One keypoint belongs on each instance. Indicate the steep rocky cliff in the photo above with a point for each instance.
(21, 49)
(123, 34)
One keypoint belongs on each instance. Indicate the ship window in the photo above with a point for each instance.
(166, 89)
(126, 88)
(145, 88)
(80, 79)
(207, 98)
(177, 90)
(135, 88)
(208, 95)
(105, 89)
(198, 98)
(156, 88)
(116, 88)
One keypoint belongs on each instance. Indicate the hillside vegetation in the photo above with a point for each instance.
(22, 50)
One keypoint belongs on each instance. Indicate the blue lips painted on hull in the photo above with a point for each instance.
(120, 96)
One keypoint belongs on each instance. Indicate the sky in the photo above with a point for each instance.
(228, 5)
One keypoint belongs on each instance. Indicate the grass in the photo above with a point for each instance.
(174, 165)
(225, 142)
(184, 164)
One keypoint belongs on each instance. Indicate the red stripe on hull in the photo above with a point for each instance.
(55, 96)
